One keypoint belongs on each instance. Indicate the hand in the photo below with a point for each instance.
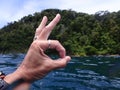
(36, 63)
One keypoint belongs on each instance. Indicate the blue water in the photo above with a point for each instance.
(82, 73)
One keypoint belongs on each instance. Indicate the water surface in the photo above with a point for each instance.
(81, 73)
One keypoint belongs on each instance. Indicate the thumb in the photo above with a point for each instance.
(62, 62)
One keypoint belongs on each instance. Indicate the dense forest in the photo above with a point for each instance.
(80, 33)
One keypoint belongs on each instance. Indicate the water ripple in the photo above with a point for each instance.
(82, 73)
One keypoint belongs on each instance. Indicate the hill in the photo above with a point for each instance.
(80, 33)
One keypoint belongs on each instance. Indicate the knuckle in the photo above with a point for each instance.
(56, 21)
(63, 49)
(57, 41)
(63, 65)
(46, 28)
(34, 43)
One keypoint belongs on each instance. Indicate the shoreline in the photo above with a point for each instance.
(112, 55)
(107, 55)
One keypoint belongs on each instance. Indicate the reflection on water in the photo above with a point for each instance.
(82, 73)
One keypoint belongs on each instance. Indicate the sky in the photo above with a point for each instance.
(13, 10)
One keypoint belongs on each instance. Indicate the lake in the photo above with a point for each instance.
(81, 73)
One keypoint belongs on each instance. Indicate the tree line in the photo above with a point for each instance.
(80, 33)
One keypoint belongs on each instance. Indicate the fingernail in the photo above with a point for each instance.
(68, 57)
(58, 15)
(45, 17)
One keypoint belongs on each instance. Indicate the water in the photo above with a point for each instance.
(82, 73)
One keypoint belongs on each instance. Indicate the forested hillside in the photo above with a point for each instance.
(80, 33)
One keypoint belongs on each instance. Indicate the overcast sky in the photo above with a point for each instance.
(12, 10)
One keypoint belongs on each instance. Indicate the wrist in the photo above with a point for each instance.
(10, 78)
(15, 81)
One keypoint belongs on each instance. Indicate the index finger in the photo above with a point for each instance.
(53, 44)
(47, 30)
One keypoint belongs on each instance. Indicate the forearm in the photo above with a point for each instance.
(13, 77)
(23, 86)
